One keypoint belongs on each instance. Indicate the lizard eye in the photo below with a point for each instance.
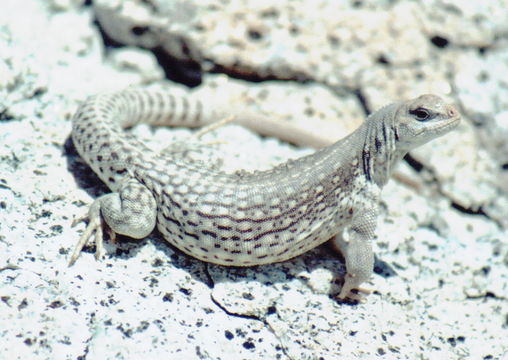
(421, 114)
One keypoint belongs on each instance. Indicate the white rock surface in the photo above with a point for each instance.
(442, 275)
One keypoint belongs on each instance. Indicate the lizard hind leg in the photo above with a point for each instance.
(131, 211)
(193, 150)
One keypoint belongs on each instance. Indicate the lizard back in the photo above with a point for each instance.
(237, 219)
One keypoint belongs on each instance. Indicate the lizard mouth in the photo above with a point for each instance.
(454, 121)
(441, 127)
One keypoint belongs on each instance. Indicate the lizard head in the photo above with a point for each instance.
(422, 119)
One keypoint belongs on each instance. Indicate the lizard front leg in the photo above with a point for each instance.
(356, 248)
(131, 211)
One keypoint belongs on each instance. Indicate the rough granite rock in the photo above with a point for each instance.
(331, 42)
(442, 249)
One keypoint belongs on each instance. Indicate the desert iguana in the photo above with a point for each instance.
(246, 219)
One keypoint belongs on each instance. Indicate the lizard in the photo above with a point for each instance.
(246, 218)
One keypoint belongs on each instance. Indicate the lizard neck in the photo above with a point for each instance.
(379, 153)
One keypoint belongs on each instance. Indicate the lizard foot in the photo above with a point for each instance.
(354, 296)
(93, 229)
(213, 126)
(347, 290)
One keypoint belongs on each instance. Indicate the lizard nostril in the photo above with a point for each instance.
(452, 112)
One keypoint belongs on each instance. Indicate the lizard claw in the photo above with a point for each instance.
(77, 220)
(347, 290)
(354, 296)
(111, 234)
(93, 229)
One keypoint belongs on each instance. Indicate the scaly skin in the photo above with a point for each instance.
(246, 219)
